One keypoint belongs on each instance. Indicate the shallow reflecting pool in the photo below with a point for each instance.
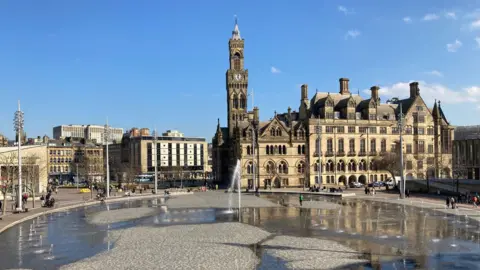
(390, 236)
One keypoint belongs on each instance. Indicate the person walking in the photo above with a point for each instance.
(448, 202)
(475, 202)
(300, 199)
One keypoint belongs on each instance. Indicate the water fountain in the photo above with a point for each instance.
(236, 178)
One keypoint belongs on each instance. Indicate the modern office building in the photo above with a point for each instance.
(93, 133)
(177, 156)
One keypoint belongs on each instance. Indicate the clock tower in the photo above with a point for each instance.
(237, 81)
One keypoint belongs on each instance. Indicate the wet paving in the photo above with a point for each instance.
(390, 236)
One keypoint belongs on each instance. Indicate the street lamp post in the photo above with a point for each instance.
(156, 158)
(400, 127)
(18, 124)
(107, 139)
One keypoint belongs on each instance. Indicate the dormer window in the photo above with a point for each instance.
(272, 132)
(278, 132)
(358, 115)
(329, 103)
(337, 115)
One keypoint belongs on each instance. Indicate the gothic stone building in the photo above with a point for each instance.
(283, 151)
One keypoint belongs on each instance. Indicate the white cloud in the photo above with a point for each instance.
(431, 17)
(345, 10)
(435, 73)
(451, 15)
(475, 25)
(352, 34)
(453, 47)
(275, 70)
(432, 91)
(407, 19)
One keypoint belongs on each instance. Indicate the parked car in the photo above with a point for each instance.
(355, 185)
(391, 183)
(376, 184)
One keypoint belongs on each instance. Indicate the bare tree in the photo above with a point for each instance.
(9, 175)
(390, 162)
(459, 172)
(33, 171)
(128, 174)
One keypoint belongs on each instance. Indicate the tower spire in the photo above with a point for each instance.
(236, 31)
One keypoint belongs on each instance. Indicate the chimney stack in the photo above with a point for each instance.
(304, 91)
(375, 96)
(255, 115)
(414, 90)
(344, 86)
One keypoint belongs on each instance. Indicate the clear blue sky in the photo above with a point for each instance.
(163, 63)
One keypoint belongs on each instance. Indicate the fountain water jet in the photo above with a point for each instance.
(236, 178)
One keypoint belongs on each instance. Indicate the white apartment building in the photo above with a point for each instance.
(173, 152)
(87, 132)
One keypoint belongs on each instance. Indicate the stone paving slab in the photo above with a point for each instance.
(218, 199)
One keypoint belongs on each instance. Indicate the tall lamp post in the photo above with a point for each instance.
(400, 127)
(107, 140)
(156, 158)
(18, 124)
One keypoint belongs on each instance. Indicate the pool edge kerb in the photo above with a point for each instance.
(64, 208)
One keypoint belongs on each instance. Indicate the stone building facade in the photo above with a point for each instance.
(353, 132)
(466, 152)
(65, 160)
(34, 167)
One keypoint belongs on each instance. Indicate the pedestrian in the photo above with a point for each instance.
(448, 202)
(407, 193)
(366, 190)
(300, 198)
(475, 202)
(452, 202)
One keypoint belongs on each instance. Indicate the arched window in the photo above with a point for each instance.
(250, 167)
(235, 101)
(276, 149)
(351, 146)
(352, 166)
(271, 150)
(279, 132)
(267, 149)
(341, 166)
(270, 167)
(372, 165)
(373, 145)
(316, 166)
(284, 148)
(329, 145)
(236, 62)
(329, 166)
(301, 167)
(362, 166)
(303, 149)
(362, 146)
(248, 149)
(299, 149)
(383, 145)
(242, 102)
(272, 132)
(340, 146)
(283, 167)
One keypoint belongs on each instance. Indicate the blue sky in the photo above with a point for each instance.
(163, 63)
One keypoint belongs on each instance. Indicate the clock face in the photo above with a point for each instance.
(238, 77)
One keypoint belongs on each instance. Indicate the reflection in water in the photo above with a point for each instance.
(388, 235)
